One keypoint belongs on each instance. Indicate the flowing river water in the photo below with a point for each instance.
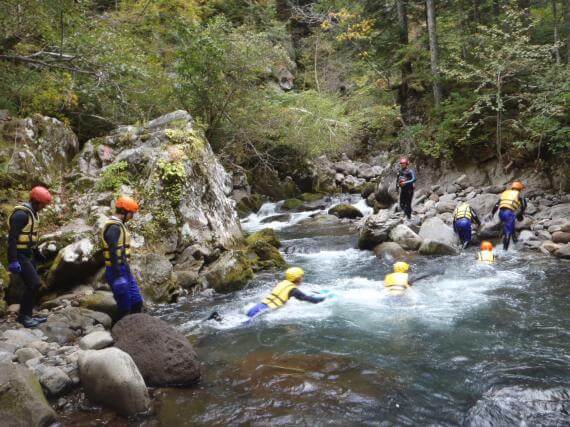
(478, 346)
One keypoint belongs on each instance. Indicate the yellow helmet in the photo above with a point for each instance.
(401, 267)
(293, 274)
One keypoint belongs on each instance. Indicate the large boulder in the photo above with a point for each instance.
(163, 355)
(561, 237)
(345, 211)
(263, 247)
(405, 237)
(483, 203)
(376, 229)
(563, 251)
(111, 377)
(231, 271)
(154, 273)
(102, 301)
(22, 402)
(438, 238)
(389, 251)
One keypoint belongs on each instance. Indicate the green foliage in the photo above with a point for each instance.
(173, 177)
(113, 176)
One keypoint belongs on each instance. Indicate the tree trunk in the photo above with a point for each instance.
(476, 14)
(406, 67)
(499, 117)
(556, 33)
(496, 8)
(567, 29)
(434, 51)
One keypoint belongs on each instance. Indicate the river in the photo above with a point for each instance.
(478, 346)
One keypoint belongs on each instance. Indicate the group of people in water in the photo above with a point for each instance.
(23, 253)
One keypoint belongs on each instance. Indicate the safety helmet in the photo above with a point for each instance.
(404, 161)
(41, 195)
(401, 267)
(517, 185)
(127, 203)
(486, 246)
(294, 274)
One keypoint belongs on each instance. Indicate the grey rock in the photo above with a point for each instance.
(526, 235)
(19, 337)
(25, 354)
(6, 357)
(438, 238)
(376, 229)
(389, 251)
(8, 347)
(230, 272)
(54, 381)
(96, 340)
(446, 206)
(561, 237)
(563, 251)
(405, 237)
(58, 331)
(484, 203)
(154, 273)
(111, 377)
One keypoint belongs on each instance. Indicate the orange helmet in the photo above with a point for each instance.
(517, 185)
(127, 204)
(41, 195)
(486, 246)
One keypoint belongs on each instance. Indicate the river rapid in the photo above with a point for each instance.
(478, 346)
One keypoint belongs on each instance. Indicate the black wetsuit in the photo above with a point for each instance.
(407, 190)
(26, 258)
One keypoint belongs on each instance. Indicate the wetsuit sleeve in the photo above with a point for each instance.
(296, 293)
(412, 177)
(495, 208)
(475, 217)
(523, 205)
(17, 223)
(111, 236)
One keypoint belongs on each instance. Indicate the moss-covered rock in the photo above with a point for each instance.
(310, 197)
(263, 251)
(102, 301)
(267, 234)
(154, 273)
(345, 211)
(230, 272)
(292, 204)
(249, 204)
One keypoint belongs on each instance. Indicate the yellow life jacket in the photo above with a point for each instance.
(486, 257)
(28, 237)
(510, 199)
(462, 211)
(123, 244)
(279, 295)
(396, 283)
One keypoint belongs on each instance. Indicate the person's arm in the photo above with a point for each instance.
(398, 182)
(412, 177)
(111, 236)
(523, 206)
(17, 223)
(296, 293)
(495, 208)
(475, 217)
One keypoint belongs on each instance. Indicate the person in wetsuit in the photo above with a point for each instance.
(22, 251)
(486, 255)
(285, 290)
(116, 243)
(512, 206)
(463, 218)
(399, 280)
(405, 185)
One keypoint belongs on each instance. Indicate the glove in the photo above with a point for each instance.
(15, 267)
(402, 183)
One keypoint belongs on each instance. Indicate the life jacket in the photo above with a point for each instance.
(28, 237)
(486, 257)
(396, 283)
(462, 211)
(279, 295)
(123, 244)
(510, 199)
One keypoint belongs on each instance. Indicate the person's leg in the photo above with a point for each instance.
(407, 196)
(257, 310)
(32, 283)
(135, 294)
(507, 217)
(120, 292)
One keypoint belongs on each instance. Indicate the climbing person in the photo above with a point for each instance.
(116, 241)
(288, 288)
(399, 280)
(463, 218)
(23, 225)
(405, 185)
(486, 255)
(512, 206)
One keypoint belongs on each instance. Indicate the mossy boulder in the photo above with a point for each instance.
(249, 204)
(263, 250)
(154, 273)
(310, 197)
(292, 204)
(345, 211)
(267, 234)
(230, 272)
(102, 301)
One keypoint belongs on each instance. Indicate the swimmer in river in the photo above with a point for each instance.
(397, 282)
(486, 255)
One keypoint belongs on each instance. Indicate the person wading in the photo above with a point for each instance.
(116, 243)
(405, 185)
(512, 206)
(23, 225)
(486, 255)
(463, 218)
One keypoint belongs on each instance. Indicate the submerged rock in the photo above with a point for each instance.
(111, 377)
(163, 355)
(22, 402)
(345, 211)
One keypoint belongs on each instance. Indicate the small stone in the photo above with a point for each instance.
(25, 354)
(54, 380)
(6, 357)
(33, 362)
(19, 337)
(8, 347)
(41, 346)
(13, 308)
(96, 340)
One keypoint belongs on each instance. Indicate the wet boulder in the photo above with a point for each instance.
(22, 402)
(561, 237)
(230, 272)
(389, 251)
(353, 185)
(405, 237)
(102, 301)
(483, 203)
(563, 251)
(438, 238)
(376, 229)
(154, 274)
(110, 377)
(96, 340)
(345, 211)
(263, 247)
(162, 354)
(292, 205)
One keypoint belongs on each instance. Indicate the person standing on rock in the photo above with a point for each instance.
(511, 208)
(463, 218)
(116, 242)
(405, 185)
(22, 250)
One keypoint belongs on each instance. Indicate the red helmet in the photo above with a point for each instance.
(127, 204)
(41, 195)
(404, 161)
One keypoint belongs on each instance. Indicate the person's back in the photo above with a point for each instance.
(397, 282)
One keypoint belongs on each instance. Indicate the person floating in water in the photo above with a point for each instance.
(400, 280)
(511, 207)
(486, 255)
(463, 218)
(405, 185)
(288, 288)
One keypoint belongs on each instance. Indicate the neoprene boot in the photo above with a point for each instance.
(515, 238)
(28, 322)
(506, 241)
(465, 244)
(39, 319)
